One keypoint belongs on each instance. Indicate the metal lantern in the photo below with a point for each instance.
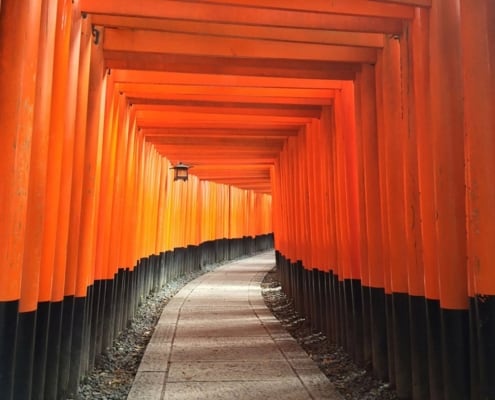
(181, 171)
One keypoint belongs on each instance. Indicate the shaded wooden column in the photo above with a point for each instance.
(374, 287)
(385, 260)
(478, 57)
(392, 138)
(60, 161)
(331, 252)
(412, 211)
(421, 106)
(37, 195)
(77, 274)
(19, 49)
(69, 214)
(447, 130)
(88, 279)
(363, 242)
(355, 212)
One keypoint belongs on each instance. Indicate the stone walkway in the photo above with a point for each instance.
(216, 340)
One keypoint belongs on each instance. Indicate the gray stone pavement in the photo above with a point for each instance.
(217, 340)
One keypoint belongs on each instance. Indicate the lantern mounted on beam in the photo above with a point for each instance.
(181, 171)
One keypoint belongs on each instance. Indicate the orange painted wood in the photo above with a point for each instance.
(227, 110)
(478, 53)
(217, 91)
(19, 43)
(92, 172)
(118, 228)
(37, 169)
(65, 273)
(295, 35)
(360, 172)
(422, 118)
(382, 167)
(394, 169)
(231, 66)
(328, 143)
(77, 276)
(230, 14)
(145, 41)
(201, 79)
(52, 279)
(104, 214)
(349, 7)
(415, 265)
(352, 183)
(447, 129)
(373, 219)
(416, 3)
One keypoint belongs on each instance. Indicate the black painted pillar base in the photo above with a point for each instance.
(379, 347)
(77, 345)
(433, 332)
(53, 354)
(419, 348)
(455, 344)
(8, 331)
(357, 321)
(389, 309)
(348, 311)
(65, 346)
(41, 350)
(402, 345)
(482, 308)
(366, 305)
(24, 354)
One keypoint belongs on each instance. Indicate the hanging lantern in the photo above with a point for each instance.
(181, 171)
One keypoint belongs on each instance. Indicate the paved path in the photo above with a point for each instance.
(216, 340)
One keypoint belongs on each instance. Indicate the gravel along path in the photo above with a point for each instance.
(114, 370)
(351, 381)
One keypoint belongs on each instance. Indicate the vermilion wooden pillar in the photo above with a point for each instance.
(76, 272)
(447, 130)
(384, 210)
(478, 56)
(413, 230)
(351, 151)
(85, 280)
(373, 222)
(420, 72)
(64, 282)
(37, 196)
(19, 45)
(392, 136)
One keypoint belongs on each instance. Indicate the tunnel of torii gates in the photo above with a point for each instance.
(356, 137)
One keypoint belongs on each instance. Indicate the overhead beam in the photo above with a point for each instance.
(231, 66)
(347, 7)
(232, 14)
(206, 28)
(224, 109)
(414, 3)
(145, 41)
(211, 90)
(199, 79)
(225, 142)
(212, 133)
(178, 116)
(157, 98)
(144, 124)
